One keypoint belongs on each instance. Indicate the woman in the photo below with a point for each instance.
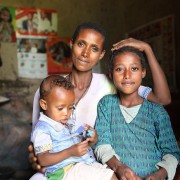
(88, 48)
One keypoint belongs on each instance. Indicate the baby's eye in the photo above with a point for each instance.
(60, 109)
(71, 108)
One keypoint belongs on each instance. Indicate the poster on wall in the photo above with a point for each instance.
(33, 26)
(59, 55)
(32, 57)
(160, 35)
(36, 22)
(7, 24)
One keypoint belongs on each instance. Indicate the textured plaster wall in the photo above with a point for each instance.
(117, 16)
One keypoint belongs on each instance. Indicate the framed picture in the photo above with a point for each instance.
(36, 22)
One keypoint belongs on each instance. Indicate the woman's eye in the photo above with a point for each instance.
(80, 44)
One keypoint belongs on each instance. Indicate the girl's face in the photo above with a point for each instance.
(58, 105)
(128, 73)
(5, 15)
(87, 49)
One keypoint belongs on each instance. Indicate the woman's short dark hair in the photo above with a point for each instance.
(91, 25)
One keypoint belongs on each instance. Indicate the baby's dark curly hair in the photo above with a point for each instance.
(52, 81)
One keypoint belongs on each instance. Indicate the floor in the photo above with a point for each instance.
(19, 175)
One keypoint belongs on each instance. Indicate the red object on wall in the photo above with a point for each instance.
(58, 55)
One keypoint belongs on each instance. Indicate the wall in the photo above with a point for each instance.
(137, 13)
(118, 17)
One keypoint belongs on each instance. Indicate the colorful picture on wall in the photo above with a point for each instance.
(36, 22)
(7, 24)
(32, 57)
(59, 55)
(160, 35)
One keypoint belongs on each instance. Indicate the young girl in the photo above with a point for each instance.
(135, 137)
(57, 145)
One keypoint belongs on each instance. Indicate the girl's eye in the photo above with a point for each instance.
(134, 68)
(119, 69)
(95, 49)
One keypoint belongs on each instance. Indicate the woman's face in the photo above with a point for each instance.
(87, 49)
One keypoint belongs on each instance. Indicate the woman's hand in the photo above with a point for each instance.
(33, 159)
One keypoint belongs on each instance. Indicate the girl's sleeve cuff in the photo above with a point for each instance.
(104, 153)
(169, 162)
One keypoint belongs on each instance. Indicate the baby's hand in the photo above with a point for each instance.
(79, 149)
(90, 133)
(92, 136)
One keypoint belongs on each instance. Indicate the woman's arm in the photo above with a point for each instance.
(161, 93)
(36, 108)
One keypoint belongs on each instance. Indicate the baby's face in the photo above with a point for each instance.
(59, 104)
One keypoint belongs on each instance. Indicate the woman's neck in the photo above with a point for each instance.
(81, 80)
